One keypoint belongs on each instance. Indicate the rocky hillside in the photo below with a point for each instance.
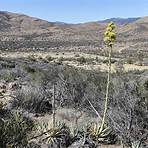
(21, 32)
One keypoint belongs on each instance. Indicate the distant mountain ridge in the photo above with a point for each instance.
(120, 21)
(22, 32)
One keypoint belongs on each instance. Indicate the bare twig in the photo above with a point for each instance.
(97, 113)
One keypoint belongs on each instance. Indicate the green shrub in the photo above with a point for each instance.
(112, 61)
(49, 58)
(14, 131)
(82, 60)
(40, 58)
(32, 58)
(60, 60)
(7, 75)
(7, 64)
(97, 59)
(29, 69)
(129, 61)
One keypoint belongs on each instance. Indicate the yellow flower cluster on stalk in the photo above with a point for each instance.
(110, 35)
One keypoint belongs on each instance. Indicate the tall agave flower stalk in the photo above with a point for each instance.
(109, 39)
(53, 107)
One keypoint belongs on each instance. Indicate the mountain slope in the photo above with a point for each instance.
(21, 32)
(12, 22)
(135, 34)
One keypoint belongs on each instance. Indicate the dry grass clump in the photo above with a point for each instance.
(33, 99)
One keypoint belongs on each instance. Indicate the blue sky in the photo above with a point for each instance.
(76, 11)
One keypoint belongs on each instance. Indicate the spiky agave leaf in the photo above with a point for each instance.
(59, 134)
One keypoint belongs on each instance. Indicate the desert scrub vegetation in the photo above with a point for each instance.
(81, 59)
(33, 99)
(32, 58)
(57, 136)
(7, 75)
(49, 58)
(120, 118)
(15, 130)
(74, 87)
(126, 116)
